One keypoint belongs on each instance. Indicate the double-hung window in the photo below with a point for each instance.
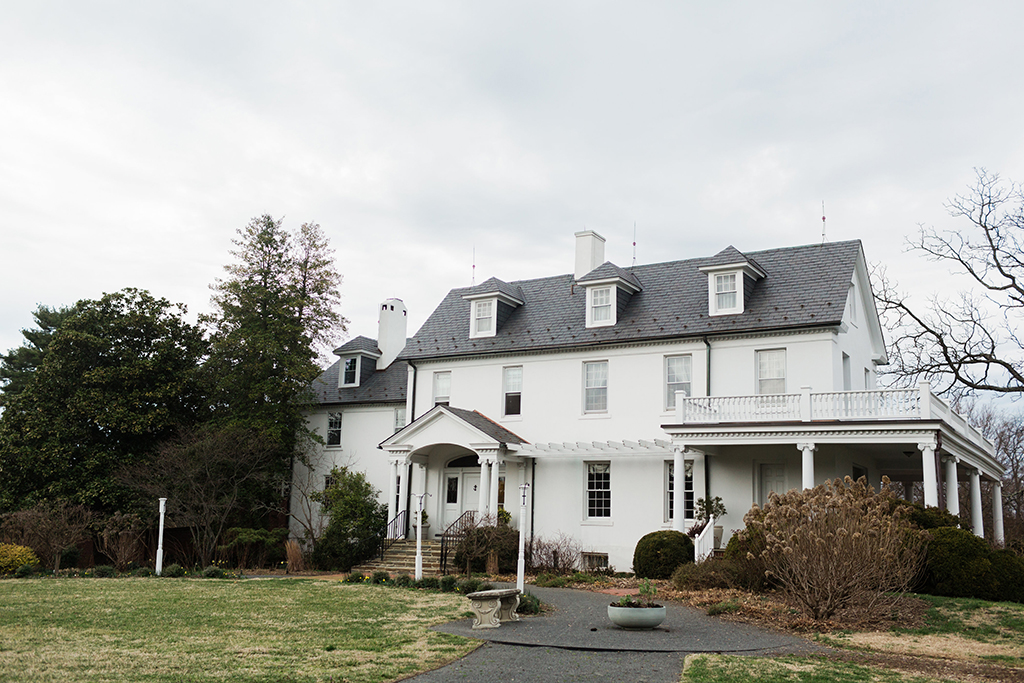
(333, 429)
(483, 320)
(399, 419)
(599, 490)
(349, 369)
(771, 371)
(678, 374)
(595, 387)
(512, 390)
(725, 292)
(601, 306)
(442, 388)
(670, 490)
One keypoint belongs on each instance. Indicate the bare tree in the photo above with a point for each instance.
(48, 528)
(308, 478)
(119, 539)
(207, 474)
(969, 342)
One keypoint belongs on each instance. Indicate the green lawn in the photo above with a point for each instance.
(151, 629)
(732, 669)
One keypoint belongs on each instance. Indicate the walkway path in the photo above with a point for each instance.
(576, 642)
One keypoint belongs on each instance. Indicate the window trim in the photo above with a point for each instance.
(506, 392)
(689, 504)
(475, 318)
(334, 428)
(757, 372)
(669, 397)
(592, 291)
(586, 387)
(587, 490)
(399, 424)
(342, 384)
(739, 283)
(446, 398)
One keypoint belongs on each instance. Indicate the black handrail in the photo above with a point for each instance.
(453, 535)
(395, 531)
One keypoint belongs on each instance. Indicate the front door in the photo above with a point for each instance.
(461, 492)
(773, 478)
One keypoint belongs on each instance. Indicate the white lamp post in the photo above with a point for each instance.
(419, 534)
(521, 566)
(160, 540)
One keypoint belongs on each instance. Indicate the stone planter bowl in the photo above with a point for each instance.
(636, 617)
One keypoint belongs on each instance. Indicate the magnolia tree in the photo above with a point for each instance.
(838, 545)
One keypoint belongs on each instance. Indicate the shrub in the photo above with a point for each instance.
(467, 586)
(448, 583)
(70, 557)
(143, 571)
(659, 553)
(25, 571)
(380, 577)
(547, 580)
(12, 557)
(48, 528)
(560, 555)
(504, 517)
(1008, 570)
(354, 577)
(928, 517)
(473, 550)
(404, 581)
(248, 547)
(213, 572)
(839, 544)
(429, 582)
(719, 573)
(120, 537)
(528, 604)
(723, 607)
(356, 524)
(174, 571)
(104, 571)
(744, 553)
(958, 565)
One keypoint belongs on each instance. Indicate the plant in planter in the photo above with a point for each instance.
(642, 613)
(706, 509)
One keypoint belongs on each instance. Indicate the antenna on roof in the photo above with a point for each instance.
(634, 245)
(823, 238)
(472, 280)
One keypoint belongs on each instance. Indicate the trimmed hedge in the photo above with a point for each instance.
(659, 553)
(962, 565)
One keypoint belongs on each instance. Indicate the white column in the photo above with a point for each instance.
(484, 495)
(931, 476)
(997, 513)
(392, 484)
(403, 493)
(807, 464)
(977, 522)
(952, 486)
(678, 496)
(492, 506)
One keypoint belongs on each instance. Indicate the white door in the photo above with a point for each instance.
(461, 492)
(773, 478)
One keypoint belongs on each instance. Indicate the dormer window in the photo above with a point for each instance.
(349, 372)
(600, 308)
(483, 318)
(725, 292)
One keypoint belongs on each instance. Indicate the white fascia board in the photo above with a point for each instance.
(604, 282)
(434, 415)
(748, 268)
(497, 296)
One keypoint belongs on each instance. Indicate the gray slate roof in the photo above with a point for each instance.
(608, 270)
(806, 286)
(492, 285)
(485, 425)
(359, 343)
(383, 386)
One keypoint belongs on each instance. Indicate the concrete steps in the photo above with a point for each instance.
(401, 559)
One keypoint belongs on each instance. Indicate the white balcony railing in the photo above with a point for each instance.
(875, 404)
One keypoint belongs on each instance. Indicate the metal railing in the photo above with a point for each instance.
(453, 535)
(395, 531)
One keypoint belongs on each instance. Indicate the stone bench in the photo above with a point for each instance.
(490, 608)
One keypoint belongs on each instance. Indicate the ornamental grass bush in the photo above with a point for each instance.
(659, 553)
(14, 556)
(839, 545)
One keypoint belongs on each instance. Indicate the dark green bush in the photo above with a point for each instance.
(929, 517)
(403, 581)
(354, 577)
(174, 571)
(379, 577)
(744, 552)
(70, 557)
(429, 582)
(24, 571)
(720, 573)
(103, 571)
(528, 604)
(467, 586)
(659, 553)
(213, 572)
(143, 571)
(448, 583)
(1008, 572)
(958, 565)
(247, 547)
(357, 521)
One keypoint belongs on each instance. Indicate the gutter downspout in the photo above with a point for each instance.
(707, 392)
(412, 392)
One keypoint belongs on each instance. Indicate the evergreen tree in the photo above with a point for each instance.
(18, 365)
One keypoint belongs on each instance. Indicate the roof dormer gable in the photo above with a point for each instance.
(731, 278)
(609, 289)
(358, 359)
(490, 304)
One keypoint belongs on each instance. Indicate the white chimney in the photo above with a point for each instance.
(589, 252)
(391, 329)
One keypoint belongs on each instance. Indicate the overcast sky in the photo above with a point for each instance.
(136, 137)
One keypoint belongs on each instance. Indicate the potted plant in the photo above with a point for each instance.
(642, 613)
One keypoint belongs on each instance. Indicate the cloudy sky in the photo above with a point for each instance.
(135, 138)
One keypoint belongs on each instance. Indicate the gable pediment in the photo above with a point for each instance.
(446, 425)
